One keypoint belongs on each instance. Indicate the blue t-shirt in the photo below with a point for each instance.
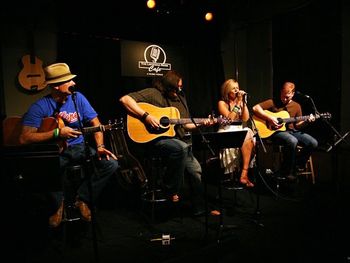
(48, 107)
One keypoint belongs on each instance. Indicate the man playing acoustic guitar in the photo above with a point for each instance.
(289, 135)
(60, 104)
(173, 147)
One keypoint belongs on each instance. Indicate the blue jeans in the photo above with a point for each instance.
(99, 171)
(290, 140)
(179, 160)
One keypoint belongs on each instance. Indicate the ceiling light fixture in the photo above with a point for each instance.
(151, 4)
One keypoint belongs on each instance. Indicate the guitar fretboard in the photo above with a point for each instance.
(295, 119)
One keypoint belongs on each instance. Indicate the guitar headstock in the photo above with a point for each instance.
(325, 115)
(226, 121)
(115, 124)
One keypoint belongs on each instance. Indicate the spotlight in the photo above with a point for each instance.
(209, 16)
(151, 3)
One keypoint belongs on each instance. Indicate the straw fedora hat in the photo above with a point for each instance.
(58, 72)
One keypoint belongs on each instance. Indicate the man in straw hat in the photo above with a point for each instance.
(61, 104)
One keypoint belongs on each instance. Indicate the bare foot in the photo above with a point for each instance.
(244, 178)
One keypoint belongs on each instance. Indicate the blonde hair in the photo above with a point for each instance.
(226, 88)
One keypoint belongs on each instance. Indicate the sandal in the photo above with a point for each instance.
(244, 179)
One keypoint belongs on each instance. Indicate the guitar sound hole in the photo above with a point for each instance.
(164, 121)
(280, 121)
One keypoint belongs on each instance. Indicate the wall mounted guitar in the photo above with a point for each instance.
(32, 76)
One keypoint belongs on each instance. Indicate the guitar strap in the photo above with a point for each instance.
(57, 110)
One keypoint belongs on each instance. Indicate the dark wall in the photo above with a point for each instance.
(307, 51)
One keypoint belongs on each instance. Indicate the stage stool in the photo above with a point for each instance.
(274, 157)
(229, 182)
(153, 194)
(308, 170)
(270, 162)
(75, 174)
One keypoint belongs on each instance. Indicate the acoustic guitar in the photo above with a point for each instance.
(265, 130)
(12, 127)
(168, 117)
(50, 123)
(32, 75)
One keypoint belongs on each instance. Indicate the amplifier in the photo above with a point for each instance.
(34, 167)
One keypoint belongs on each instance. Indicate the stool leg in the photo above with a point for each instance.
(312, 170)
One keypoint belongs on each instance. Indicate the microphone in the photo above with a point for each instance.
(179, 90)
(301, 94)
(72, 89)
(243, 93)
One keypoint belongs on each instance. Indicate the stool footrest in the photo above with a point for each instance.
(154, 196)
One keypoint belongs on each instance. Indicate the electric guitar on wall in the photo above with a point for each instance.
(265, 130)
(168, 118)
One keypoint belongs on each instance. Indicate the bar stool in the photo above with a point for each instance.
(75, 175)
(272, 162)
(308, 169)
(153, 194)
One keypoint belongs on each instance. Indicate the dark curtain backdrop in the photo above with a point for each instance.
(96, 61)
(307, 50)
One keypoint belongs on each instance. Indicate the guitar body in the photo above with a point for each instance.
(50, 123)
(264, 129)
(12, 127)
(168, 117)
(138, 131)
(32, 76)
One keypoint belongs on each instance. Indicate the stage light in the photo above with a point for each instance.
(209, 16)
(151, 4)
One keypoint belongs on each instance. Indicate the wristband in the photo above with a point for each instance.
(236, 109)
(100, 146)
(144, 116)
(56, 133)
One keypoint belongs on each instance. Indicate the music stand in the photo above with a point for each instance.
(220, 140)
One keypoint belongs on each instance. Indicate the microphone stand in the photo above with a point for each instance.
(259, 142)
(207, 144)
(339, 136)
(88, 166)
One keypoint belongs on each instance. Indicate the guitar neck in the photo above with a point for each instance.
(98, 128)
(295, 119)
(187, 120)
(201, 120)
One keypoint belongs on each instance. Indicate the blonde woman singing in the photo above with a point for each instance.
(232, 106)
